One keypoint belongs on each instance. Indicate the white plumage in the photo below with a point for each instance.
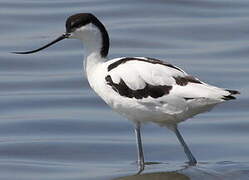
(166, 110)
(141, 89)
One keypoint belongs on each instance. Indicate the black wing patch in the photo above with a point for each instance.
(148, 90)
(183, 81)
(187, 99)
(148, 60)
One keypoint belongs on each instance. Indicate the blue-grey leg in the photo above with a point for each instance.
(191, 158)
(139, 148)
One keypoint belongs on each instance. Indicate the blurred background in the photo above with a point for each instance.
(53, 126)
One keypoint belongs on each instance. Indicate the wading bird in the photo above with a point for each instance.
(142, 89)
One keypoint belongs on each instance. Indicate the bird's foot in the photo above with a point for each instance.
(192, 162)
(141, 166)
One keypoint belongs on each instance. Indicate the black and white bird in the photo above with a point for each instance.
(142, 89)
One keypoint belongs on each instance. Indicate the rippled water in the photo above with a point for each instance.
(52, 126)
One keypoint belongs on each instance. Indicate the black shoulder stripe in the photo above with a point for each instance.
(148, 90)
(148, 60)
(117, 63)
(158, 61)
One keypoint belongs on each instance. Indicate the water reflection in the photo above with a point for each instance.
(156, 176)
(224, 170)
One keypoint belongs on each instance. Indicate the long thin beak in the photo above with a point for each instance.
(63, 36)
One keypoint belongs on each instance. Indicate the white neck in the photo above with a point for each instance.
(92, 42)
(91, 61)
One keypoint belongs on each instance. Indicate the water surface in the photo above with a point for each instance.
(52, 126)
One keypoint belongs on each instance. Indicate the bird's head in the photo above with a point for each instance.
(83, 26)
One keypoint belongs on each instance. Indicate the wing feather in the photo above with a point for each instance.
(137, 74)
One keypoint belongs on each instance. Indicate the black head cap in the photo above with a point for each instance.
(78, 20)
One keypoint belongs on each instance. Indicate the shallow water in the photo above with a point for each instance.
(52, 126)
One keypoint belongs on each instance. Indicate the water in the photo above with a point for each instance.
(52, 126)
